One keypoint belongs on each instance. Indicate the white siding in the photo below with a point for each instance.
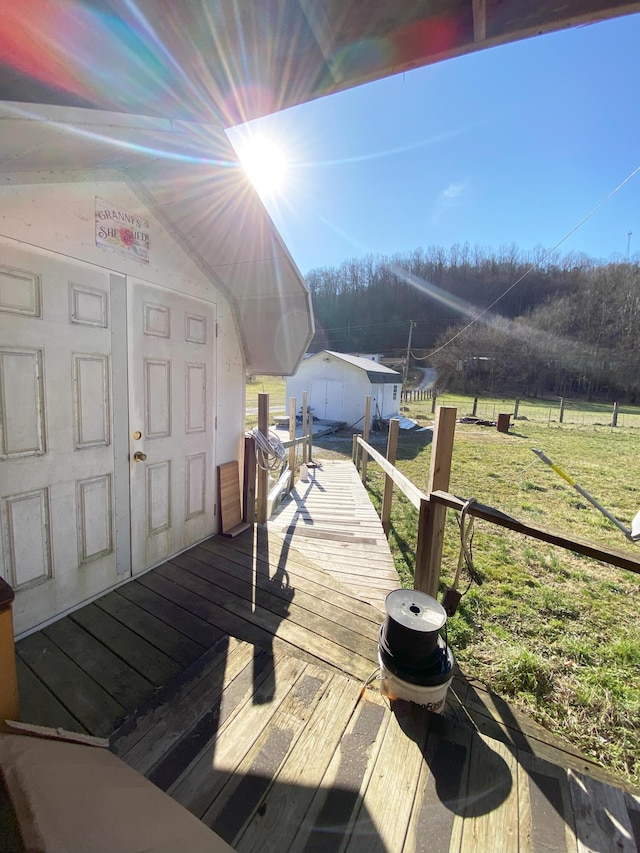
(357, 386)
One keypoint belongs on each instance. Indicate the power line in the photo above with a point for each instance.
(537, 264)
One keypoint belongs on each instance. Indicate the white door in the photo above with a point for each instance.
(57, 462)
(171, 411)
(77, 513)
(326, 399)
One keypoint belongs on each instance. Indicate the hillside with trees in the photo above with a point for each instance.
(547, 324)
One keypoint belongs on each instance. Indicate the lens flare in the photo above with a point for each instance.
(265, 164)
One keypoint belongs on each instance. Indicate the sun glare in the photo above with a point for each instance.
(264, 163)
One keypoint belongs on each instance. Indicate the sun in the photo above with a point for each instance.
(265, 164)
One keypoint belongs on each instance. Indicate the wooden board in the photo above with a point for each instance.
(127, 686)
(86, 700)
(141, 655)
(231, 523)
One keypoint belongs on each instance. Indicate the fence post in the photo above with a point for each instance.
(249, 481)
(365, 435)
(9, 706)
(433, 516)
(263, 474)
(433, 402)
(515, 409)
(304, 425)
(561, 416)
(392, 449)
(292, 435)
(614, 416)
(475, 407)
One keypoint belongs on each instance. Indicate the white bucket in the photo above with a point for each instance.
(304, 473)
(432, 698)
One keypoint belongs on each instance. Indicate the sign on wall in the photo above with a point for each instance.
(119, 231)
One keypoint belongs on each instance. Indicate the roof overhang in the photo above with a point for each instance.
(188, 177)
(227, 61)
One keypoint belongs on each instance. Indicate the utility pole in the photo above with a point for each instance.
(629, 244)
(406, 363)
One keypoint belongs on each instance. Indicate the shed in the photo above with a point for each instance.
(337, 384)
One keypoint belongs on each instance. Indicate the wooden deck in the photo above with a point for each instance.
(232, 676)
(282, 755)
(331, 520)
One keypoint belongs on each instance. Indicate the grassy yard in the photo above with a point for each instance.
(557, 633)
(274, 386)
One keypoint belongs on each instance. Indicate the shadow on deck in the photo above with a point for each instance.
(232, 677)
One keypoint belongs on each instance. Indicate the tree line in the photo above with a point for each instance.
(505, 321)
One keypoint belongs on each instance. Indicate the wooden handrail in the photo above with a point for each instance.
(295, 441)
(613, 556)
(411, 492)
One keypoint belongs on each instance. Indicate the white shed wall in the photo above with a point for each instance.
(357, 386)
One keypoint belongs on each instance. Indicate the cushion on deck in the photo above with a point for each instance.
(72, 797)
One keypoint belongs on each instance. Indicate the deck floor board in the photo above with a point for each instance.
(310, 520)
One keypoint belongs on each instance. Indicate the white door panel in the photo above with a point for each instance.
(56, 449)
(326, 399)
(171, 406)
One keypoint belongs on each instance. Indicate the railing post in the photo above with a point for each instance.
(365, 435)
(292, 435)
(433, 516)
(392, 449)
(310, 443)
(9, 707)
(263, 474)
(354, 449)
(249, 481)
(304, 425)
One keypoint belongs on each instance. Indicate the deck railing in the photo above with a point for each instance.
(256, 479)
(432, 508)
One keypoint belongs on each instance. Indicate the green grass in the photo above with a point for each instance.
(556, 633)
(274, 386)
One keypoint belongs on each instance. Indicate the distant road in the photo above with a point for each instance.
(429, 376)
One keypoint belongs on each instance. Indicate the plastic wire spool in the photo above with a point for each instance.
(415, 661)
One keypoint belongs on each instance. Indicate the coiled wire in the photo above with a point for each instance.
(270, 454)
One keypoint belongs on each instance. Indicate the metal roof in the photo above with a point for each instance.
(378, 374)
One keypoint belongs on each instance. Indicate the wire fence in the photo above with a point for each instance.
(552, 411)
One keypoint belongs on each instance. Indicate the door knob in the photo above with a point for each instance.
(139, 456)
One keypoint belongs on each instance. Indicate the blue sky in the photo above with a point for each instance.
(515, 144)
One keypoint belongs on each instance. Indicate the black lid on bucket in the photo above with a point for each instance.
(415, 611)
(409, 636)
